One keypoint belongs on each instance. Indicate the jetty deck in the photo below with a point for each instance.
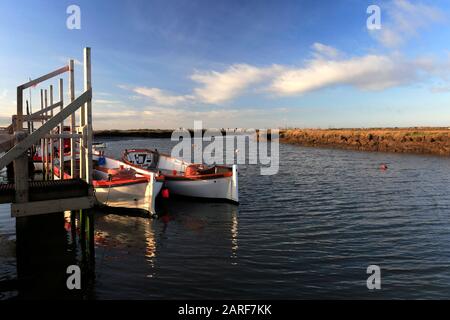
(50, 196)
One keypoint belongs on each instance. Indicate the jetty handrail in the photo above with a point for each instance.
(44, 78)
(49, 108)
(40, 133)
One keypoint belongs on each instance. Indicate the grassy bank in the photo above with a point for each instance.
(406, 140)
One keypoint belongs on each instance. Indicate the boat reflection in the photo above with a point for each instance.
(143, 247)
(214, 220)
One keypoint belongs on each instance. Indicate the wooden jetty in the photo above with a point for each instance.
(42, 128)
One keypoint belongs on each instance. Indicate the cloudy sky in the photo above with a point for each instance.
(260, 64)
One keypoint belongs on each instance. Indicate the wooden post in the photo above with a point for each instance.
(72, 119)
(46, 140)
(52, 155)
(19, 122)
(28, 122)
(31, 112)
(61, 131)
(83, 140)
(21, 162)
(88, 114)
(42, 140)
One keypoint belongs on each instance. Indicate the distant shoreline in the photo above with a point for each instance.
(146, 133)
(433, 141)
(423, 140)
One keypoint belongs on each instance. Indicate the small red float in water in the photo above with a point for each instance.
(383, 166)
(165, 193)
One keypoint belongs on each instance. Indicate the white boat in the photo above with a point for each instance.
(187, 179)
(39, 158)
(118, 184)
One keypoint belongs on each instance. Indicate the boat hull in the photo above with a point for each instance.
(138, 192)
(128, 194)
(133, 196)
(220, 185)
(223, 188)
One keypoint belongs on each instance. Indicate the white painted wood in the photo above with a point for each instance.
(44, 77)
(20, 170)
(49, 108)
(19, 123)
(72, 118)
(42, 141)
(63, 136)
(52, 154)
(39, 133)
(61, 129)
(27, 118)
(88, 114)
(51, 206)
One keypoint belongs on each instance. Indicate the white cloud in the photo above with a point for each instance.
(218, 87)
(105, 101)
(328, 67)
(370, 72)
(404, 21)
(215, 87)
(323, 51)
(161, 97)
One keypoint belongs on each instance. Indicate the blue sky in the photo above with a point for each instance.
(164, 64)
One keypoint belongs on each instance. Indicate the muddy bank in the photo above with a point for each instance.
(145, 133)
(405, 140)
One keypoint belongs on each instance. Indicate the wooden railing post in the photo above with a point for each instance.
(42, 140)
(72, 120)
(83, 141)
(61, 131)
(21, 162)
(52, 155)
(45, 139)
(88, 114)
(19, 121)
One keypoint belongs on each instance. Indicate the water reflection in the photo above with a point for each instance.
(44, 250)
(150, 251)
(202, 218)
(148, 258)
(234, 235)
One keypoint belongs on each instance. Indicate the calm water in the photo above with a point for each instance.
(308, 232)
